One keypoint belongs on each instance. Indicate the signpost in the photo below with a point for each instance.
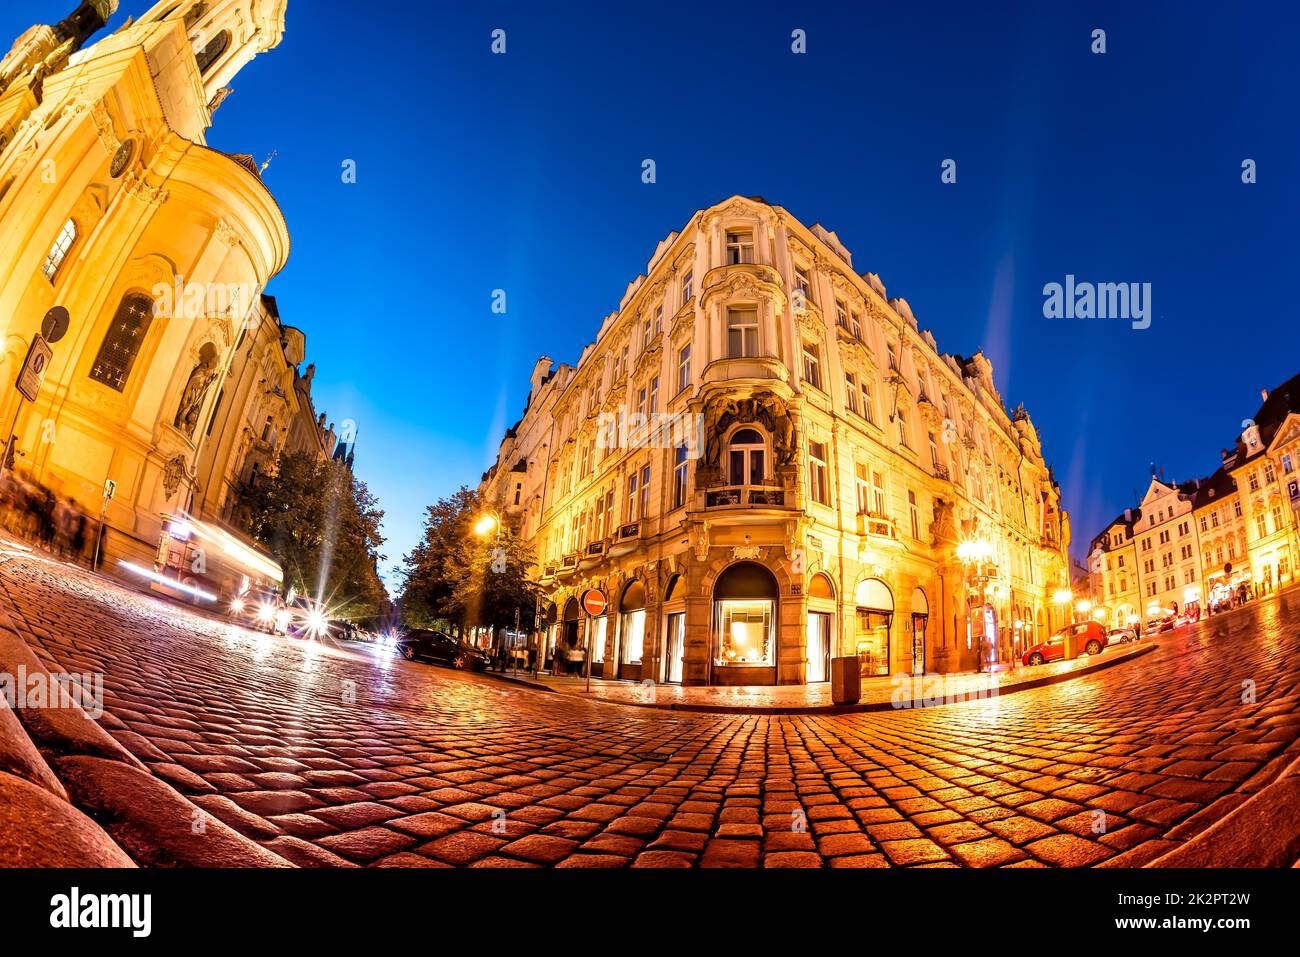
(594, 604)
(53, 328)
(110, 489)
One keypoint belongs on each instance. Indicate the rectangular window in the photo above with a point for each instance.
(934, 451)
(902, 429)
(631, 497)
(812, 370)
(817, 473)
(851, 392)
(645, 491)
(684, 367)
(868, 403)
(841, 315)
(802, 284)
(688, 287)
(681, 469)
(862, 485)
(740, 247)
(659, 319)
(915, 515)
(878, 494)
(654, 395)
(742, 333)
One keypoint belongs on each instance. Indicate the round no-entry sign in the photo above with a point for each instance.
(593, 602)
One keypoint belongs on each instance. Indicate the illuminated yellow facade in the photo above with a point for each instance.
(159, 247)
(764, 462)
(1209, 543)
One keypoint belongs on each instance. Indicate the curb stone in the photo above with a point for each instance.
(1102, 663)
(1262, 831)
(132, 816)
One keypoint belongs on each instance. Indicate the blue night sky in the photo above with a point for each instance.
(522, 172)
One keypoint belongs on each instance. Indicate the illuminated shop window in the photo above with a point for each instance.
(745, 617)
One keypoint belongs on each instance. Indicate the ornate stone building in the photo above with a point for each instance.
(1204, 543)
(159, 247)
(763, 462)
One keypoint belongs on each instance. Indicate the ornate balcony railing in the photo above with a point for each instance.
(737, 495)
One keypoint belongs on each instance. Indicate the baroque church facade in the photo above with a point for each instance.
(763, 463)
(176, 379)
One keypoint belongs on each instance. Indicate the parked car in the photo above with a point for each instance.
(262, 610)
(442, 648)
(1089, 636)
(1118, 635)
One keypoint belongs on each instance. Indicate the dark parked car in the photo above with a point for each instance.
(441, 648)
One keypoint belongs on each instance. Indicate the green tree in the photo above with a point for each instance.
(454, 576)
(323, 525)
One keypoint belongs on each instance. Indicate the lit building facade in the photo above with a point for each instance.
(1265, 466)
(764, 463)
(1207, 543)
(1114, 581)
(159, 247)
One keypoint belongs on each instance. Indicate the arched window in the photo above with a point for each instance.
(875, 608)
(747, 458)
(744, 602)
(214, 48)
(59, 251)
(632, 630)
(122, 342)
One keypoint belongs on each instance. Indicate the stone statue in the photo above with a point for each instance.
(196, 390)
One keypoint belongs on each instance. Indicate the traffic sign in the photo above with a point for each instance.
(33, 371)
(593, 602)
(55, 325)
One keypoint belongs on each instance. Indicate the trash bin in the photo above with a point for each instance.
(846, 680)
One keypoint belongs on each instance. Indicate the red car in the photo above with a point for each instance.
(1088, 635)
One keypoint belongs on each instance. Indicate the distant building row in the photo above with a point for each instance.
(1207, 542)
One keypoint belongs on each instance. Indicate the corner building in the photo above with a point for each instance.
(841, 460)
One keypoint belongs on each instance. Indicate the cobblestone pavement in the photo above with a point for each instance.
(336, 756)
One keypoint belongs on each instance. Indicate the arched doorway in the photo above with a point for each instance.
(920, 618)
(821, 628)
(875, 614)
(674, 629)
(744, 626)
(631, 632)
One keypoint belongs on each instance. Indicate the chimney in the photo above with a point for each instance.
(541, 369)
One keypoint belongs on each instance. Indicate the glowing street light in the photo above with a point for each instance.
(1083, 606)
(485, 525)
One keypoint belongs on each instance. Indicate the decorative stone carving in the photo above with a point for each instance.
(700, 545)
(764, 408)
(196, 390)
(747, 552)
(173, 472)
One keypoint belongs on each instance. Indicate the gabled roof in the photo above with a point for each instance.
(1280, 403)
(1214, 489)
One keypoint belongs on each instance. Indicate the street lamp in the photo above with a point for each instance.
(975, 553)
(487, 523)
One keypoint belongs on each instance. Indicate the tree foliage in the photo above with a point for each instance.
(454, 576)
(323, 525)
